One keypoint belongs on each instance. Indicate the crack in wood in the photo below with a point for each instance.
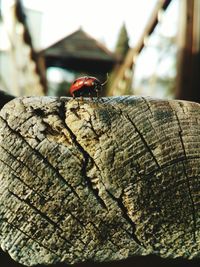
(86, 156)
(124, 211)
(44, 160)
(187, 179)
(34, 240)
(43, 215)
(21, 180)
(143, 140)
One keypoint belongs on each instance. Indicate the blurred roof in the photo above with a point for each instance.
(80, 45)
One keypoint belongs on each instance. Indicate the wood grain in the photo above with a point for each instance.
(99, 180)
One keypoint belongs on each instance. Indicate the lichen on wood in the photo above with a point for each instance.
(99, 180)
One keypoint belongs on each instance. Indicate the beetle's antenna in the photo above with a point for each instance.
(105, 80)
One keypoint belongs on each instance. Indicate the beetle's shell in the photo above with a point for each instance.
(85, 86)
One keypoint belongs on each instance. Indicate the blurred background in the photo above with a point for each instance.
(149, 48)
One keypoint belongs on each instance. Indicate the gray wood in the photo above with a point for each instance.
(99, 179)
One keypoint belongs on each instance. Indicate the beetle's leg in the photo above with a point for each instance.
(81, 96)
(96, 89)
(90, 96)
(99, 88)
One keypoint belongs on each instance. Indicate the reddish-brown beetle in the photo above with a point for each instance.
(86, 86)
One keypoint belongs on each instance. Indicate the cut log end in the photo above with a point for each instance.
(99, 180)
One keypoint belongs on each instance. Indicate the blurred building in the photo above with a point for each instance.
(78, 54)
(20, 71)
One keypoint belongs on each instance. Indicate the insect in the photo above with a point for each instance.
(86, 86)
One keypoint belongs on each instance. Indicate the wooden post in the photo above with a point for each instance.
(99, 180)
(188, 81)
(128, 65)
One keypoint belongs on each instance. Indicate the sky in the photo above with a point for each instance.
(101, 19)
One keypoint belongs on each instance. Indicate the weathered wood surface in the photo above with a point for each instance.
(99, 180)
